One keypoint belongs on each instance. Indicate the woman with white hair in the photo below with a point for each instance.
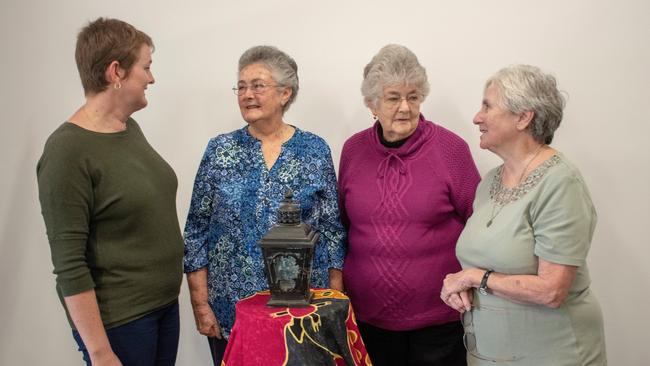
(238, 188)
(524, 289)
(406, 187)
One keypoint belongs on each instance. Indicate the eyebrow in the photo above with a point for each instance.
(253, 81)
(414, 91)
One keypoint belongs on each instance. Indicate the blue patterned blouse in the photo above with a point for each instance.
(235, 203)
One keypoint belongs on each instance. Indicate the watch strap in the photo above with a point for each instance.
(483, 286)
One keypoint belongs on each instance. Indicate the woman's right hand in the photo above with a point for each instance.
(105, 359)
(206, 322)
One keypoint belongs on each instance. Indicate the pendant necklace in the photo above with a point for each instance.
(499, 194)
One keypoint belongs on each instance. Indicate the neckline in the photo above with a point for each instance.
(254, 139)
(75, 126)
(411, 148)
(391, 144)
(504, 195)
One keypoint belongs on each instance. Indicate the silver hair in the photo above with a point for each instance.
(283, 68)
(393, 65)
(526, 88)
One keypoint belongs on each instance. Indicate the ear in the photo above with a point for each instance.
(286, 95)
(114, 73)
(524, 119)
(372, 106)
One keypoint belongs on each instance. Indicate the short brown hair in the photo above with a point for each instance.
(101, 42)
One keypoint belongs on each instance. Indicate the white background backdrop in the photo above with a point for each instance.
(599, 50)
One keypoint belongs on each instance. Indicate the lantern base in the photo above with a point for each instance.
(291, 303)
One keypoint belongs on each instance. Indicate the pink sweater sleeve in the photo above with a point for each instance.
(463, 174)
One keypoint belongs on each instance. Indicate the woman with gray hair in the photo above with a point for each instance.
(524, 290)
(406, 187)
(241, 180)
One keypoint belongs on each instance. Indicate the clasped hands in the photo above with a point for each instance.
(457, 289)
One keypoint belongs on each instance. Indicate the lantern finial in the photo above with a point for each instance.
(289, 210)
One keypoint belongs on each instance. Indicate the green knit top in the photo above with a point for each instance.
(109, 205)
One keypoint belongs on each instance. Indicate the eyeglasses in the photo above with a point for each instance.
(469, 339)
(393, 100)
(256, 88)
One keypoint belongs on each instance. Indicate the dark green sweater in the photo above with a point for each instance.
(109, 205)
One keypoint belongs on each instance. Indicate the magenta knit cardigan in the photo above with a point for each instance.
(404, 209)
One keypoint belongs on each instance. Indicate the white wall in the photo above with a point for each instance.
(599, 50)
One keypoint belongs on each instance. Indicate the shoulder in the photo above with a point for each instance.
(562, 180)
(310, 141)
(232, 136)
(66, 140)
(65, 151)
(447, 148)
(358, 140)
(562, 171)
(229, 140)
(448, 140)
(132, 124)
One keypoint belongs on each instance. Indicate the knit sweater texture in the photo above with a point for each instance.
(404, 209)
(109, 205)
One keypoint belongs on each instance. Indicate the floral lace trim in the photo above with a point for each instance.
(504, 195)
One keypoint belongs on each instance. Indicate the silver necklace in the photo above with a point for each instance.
(500, 192)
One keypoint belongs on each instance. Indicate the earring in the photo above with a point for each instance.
(117, 86)
(375, 118)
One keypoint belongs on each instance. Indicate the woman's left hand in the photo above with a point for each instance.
(336, 279)
(460, 301)
(457, 289)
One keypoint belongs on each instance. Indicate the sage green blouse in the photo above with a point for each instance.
(549, 215)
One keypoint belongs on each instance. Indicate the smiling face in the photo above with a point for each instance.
(138, 79)
(498, 125)
(398, 111)
(266, 103)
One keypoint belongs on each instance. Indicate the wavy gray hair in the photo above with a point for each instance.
(393, 65)
(283, 68)
(526, 88)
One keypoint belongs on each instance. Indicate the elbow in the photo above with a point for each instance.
(555, 298)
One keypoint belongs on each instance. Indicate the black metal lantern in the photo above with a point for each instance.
(288, 249)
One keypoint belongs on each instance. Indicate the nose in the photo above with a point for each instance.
(404, 105)
(248, 92)
(150, 77)
(478, 118)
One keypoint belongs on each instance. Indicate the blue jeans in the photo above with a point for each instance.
(150, 340)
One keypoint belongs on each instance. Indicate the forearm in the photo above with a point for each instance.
(336, 279)
(197, 282)
(525, 289)
(84, 311)
(549, 287)
(206, 322)
(529, 289)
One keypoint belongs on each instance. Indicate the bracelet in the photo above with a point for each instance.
(482, 289)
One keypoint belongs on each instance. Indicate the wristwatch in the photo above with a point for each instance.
(482, 288)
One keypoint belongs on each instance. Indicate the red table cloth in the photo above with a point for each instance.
(324, 333)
